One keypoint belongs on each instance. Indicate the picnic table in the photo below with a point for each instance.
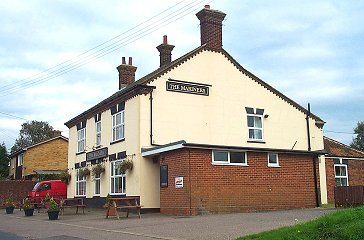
(126, 203)
(72, 203)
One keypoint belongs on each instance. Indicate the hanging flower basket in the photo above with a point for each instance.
(126, 165)
(98, 169)
(84, 172)
(65, 177)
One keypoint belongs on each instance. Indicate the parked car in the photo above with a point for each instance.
(55, 189)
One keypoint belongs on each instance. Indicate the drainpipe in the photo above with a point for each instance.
(308, 127)
(189, 169)
(151, 117)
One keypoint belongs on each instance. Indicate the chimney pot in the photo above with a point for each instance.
(126, 73)
(207, 6)
(165, 51)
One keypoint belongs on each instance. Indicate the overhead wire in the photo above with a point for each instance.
(152, 27)
(99, 45)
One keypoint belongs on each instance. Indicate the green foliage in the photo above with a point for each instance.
(340, 225)
(9, 202)
(4, 160)
(53, 206)
(83, 172)
(65, 177)
(98, 169)
(126, 165)
(358, 142)
(27, 204)
(31, 133)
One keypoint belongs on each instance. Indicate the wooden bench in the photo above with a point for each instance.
(126, 203)
(72, 203)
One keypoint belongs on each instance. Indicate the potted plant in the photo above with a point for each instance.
(53, 210)
(28, 207)
(126, 165)
(9, 205)
(83, 172)
(65, 177)
(98, 169)
(112, 211)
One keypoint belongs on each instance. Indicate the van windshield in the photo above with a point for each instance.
(35, 187)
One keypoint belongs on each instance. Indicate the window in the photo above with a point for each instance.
(255, 127)
(81, 136)
(226, 157)
(118, 126)
(80, 184)
(97, 184)
(341, 173)
(273, 160)
(117, 178)
(20, 160)
(98, 133)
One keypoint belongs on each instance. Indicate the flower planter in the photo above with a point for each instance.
(53, 215)
(9, 210)
(29, 212)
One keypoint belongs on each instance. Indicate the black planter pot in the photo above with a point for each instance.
(9, 210)
(53, 215)
(29, 212)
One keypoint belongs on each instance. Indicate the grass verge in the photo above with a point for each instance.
(340, 225)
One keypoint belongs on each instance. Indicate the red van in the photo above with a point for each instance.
(55, 188)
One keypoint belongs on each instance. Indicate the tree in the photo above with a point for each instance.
(32, 133)
(358, 142)
(4, 160)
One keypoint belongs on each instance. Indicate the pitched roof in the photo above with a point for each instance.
(125, 93)
(34, 145)
(338, 149)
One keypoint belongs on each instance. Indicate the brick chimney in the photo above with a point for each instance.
(211, 27)
(126, 73)
(165, 51)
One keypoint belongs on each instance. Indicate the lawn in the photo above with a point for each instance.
(340, 225)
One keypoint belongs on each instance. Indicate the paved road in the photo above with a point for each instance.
(93, 225)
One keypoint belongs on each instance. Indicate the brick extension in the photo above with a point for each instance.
(224, 188)
(355, 175)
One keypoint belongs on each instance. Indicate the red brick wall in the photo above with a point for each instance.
(17, 189)
(330, 180)
(223, 188)
(355, 174)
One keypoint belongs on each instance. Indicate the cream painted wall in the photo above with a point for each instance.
(323, 184)
(216, 119)
(142, 172)
(221, 118)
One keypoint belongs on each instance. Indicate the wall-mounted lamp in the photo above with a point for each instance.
(266, 116)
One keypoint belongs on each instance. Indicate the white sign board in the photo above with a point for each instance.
(178, 182)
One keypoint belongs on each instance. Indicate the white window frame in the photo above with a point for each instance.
(98, 133)
(114, 175)
(81, 140)
(255, 128)
(228, 160)
(20, 160)
(273, 164)
(81, 185)
(346, 172)
(97, 183)
(115, 126)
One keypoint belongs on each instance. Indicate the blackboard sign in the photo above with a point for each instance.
(164, 175)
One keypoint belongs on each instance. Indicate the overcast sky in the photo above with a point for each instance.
(312, 51)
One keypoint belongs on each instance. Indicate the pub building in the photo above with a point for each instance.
(203, 134)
